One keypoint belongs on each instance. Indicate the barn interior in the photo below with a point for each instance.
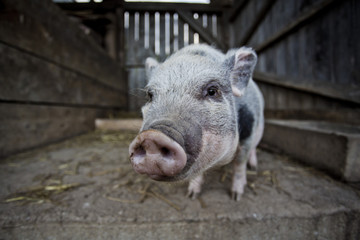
(72, 78)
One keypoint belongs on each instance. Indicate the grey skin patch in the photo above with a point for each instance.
(246, 123)
(187, 134)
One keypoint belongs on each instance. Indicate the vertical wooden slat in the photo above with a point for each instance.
(152, 35)
(214, 25)
(167, 34)
(171, 33)
(131, 42)
(191, 36)
(181, 33)
(176, 31)
(141, 43)
(157, 33)
(162, 36)
(126, 37)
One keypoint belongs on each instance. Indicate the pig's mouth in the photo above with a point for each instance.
(155, 154)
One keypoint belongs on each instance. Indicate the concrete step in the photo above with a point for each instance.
(85, 188)
(332, 147)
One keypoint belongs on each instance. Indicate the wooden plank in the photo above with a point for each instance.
(341, 115)
(104, 6)
(298, 22)
(131, 44)
(351, 94)
(243, 21)
(26, 25)
(236, 10)
(199, 29)
(24, 126)
(151, 7)
(181, 33)
(162, 37)
(120, 36)
(151, 51)
(141, 6)
(296, 104)
(172, 37)
(256, 22)
(24, 77)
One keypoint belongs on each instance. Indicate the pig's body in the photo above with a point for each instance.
(204, 110)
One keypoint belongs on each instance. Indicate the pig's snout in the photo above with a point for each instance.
(155, 154)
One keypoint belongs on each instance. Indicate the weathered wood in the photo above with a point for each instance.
(55, 80)
(135, 49)
(24, 77)
(287, 103)
(59, 41)
(136, 88)
(151, 7)
(242, 24)
(322, 57)
(119, 38)
(181, 32)
(236, 10)
(162, 37)
(298, 22)
(312, 86)
(104, 6)
(27, 126)
(256, 22)
(209, 38)
(341, 115)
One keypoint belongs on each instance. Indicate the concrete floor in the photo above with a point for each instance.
(84, 188)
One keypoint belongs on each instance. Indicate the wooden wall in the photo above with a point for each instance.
(308, 56)
(54, 79)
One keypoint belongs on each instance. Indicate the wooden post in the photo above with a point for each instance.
(198, 28)
(291, 27)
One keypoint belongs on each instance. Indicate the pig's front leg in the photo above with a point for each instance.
(194, 188)
(239, 177)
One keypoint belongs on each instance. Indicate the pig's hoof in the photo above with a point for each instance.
(252, 168)
(194, 188)
(236, 196)
(192, 195)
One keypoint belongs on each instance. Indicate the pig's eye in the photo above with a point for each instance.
(213, 91)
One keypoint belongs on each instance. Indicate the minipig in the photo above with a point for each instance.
(203, 111)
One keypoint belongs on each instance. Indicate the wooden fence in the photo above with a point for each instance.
(308, 56)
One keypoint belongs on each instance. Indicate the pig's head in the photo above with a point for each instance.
(190, 121)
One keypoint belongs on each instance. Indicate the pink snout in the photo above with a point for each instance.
(155, 154)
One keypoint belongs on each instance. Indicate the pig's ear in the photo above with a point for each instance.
(244, 63)
(150, 65)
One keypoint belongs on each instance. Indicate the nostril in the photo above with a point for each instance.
(139, 151)
(165, 152)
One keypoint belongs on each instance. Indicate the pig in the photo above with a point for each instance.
(203, 111)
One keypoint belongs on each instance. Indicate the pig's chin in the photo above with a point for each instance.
(163, 178)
